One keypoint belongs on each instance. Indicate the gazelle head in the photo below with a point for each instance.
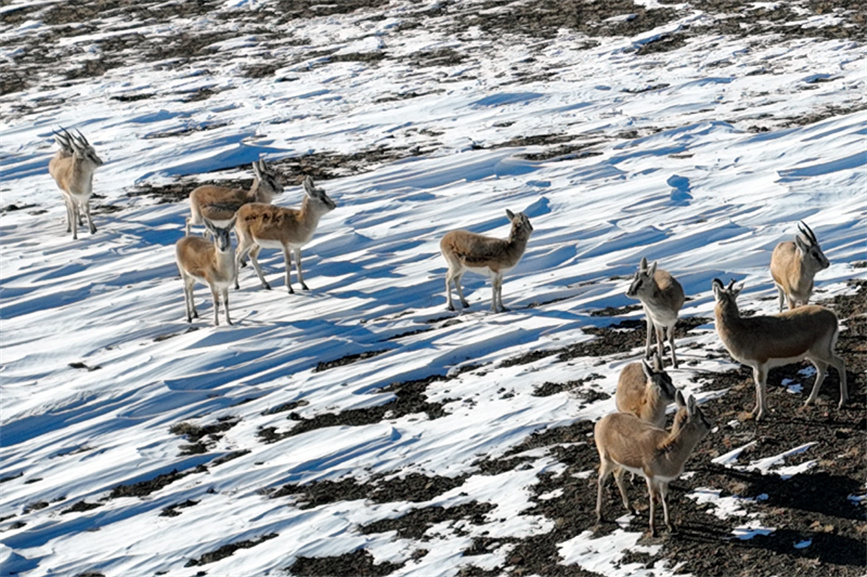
(521, 227)
(642, 280)
(726, 296)
(267, 177)
(659, 379)
(809, 250)
(320, 200)
(222, 240)
(82, 149)
(692, 417)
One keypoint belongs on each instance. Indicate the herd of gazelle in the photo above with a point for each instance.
(634, 439)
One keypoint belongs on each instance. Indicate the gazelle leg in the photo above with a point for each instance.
(457, 279)
(287, 258)
(215, 294)
(449, 304)
(89, 218)
(649, 334)
(605, 468)
(663, 495)
(821, 371)
(660, 341)
(226, 304)
(671, 344)
(298, 269)
(840, 365)
(244, 246)
(651, 492)
(254, 258)
(760, 375)
(618, 478)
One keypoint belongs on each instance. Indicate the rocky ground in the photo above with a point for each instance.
(704, 545)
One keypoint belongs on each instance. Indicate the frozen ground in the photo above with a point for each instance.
(360, 428)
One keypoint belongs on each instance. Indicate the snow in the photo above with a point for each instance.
(694, 188)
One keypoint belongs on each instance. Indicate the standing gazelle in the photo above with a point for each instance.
(645, 391)
(794, 264)
(219, 204)
(211, 263)
(72, 168)
(493, 257)
(627, 443)
(265, 226)
(661, 296)
(763, 342)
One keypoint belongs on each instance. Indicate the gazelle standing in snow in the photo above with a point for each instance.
(493, 257)
(763, 342)
(209, 262)
(72, 168)
(661, 296)
(265, 226)
(219, 204)
(627, 443)
(645, 391)
(794, 264)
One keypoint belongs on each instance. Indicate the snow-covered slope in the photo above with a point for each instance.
(702, 157)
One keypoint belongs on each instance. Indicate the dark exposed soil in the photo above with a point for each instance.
(808, 507)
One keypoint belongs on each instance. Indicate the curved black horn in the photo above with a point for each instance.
(808, 232)
(731, 285)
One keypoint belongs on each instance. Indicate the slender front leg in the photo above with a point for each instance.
(663, 495)
(649, 324)
(226, 304)
(760, 374)
(75, 217)
(671, 344)
(287, 258)
(89, 218)
(494, 282)
(651, 494)
(781, 296)
(215, 294)
(298, 269)
(660, 342)
(69, 212)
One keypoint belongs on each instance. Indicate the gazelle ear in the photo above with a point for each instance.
(209, 225)
(802, 244)
(652, 269)
(510, 215)
(309, 187)
(232, 222)
(718, 288)
(690, 407)
(681, 402)
(262, 166)
(643, 264)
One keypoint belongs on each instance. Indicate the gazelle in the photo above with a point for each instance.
(794, 264)
(493, 257)
(627, 443)
(219, 204)
(209, 262)
(763, 342)
(645, 391)
(661, 296)
(265, 226)
(72, 168)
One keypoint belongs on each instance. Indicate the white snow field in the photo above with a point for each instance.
(694, 158)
